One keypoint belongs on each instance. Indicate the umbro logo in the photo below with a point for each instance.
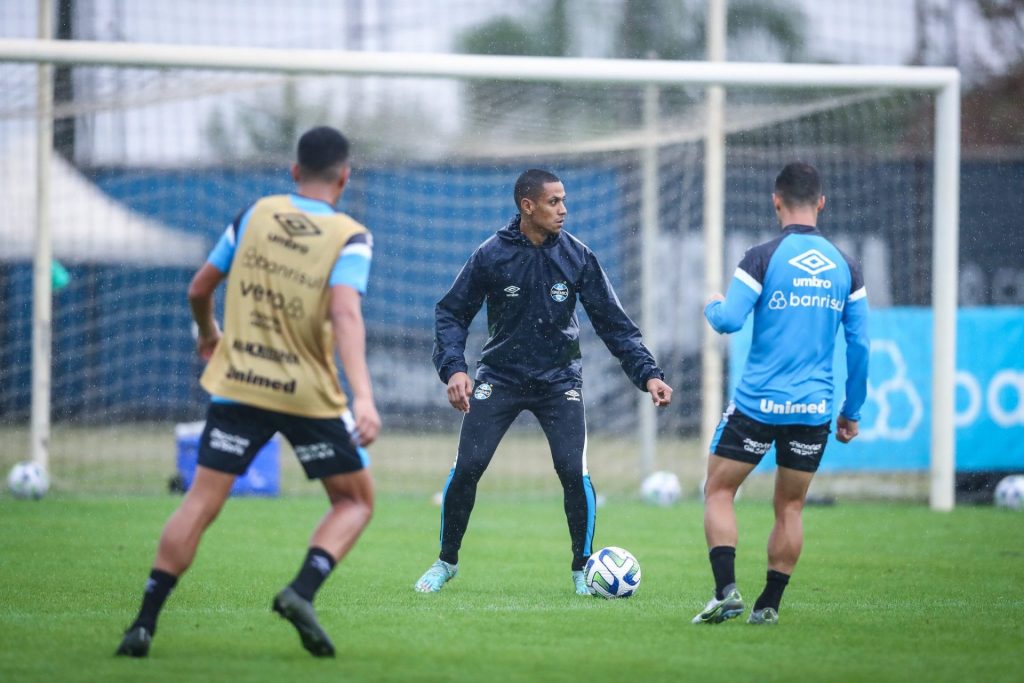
(572, 395)
(812, 262)
(297, 224)
(511, 291)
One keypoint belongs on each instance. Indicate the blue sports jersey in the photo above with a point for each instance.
(800, 288)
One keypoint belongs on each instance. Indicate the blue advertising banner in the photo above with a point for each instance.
(895, 427)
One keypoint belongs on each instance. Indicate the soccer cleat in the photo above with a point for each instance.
(299, 611)
(136, 642)
(717, 611)
(580, 583)
(436, 577)
(763, 617)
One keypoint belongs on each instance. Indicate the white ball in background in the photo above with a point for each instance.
(661, 488)
(1010, 492)
(28, 480)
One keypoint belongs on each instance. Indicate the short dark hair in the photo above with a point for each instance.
(531, 182)
(321, 152)
(798, 184)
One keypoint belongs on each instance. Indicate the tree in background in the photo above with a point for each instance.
(547, 36)
(670, 29)
(265, 129)
(664, 29)
(991, 62)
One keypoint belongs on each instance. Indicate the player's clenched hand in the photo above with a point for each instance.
(460, 386)
(846, 429)
(714, 297)
(661, 393)
(367, 420)
(206, 344)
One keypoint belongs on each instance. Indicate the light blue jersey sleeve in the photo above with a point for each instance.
(224, 251)
(728, 316)
(858, 351)
(353, 265)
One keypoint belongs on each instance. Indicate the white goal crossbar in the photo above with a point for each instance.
(944, 82)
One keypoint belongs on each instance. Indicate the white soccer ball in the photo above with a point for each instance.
(612, 573)
(28, 480)
(661, 488)
(1010, 492)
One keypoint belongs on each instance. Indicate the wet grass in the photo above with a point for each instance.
(882, 593)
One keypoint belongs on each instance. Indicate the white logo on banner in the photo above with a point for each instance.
(1004, 413)
(898, 383)
(1001, 415)
(1013, 379)
(970, 384)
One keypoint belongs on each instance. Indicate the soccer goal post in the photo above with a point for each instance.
(603, 80)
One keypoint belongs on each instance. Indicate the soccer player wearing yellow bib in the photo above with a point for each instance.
(296, 271)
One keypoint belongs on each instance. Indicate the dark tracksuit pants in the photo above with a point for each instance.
(492, 410)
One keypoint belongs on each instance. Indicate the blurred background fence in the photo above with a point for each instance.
(154, 163)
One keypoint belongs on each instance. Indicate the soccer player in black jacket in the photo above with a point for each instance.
(531, 275)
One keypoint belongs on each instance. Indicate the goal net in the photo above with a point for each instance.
(159, 161)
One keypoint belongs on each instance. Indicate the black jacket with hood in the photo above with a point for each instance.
(533, 332)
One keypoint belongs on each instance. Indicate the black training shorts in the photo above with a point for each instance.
(798, 447)
(235, 432)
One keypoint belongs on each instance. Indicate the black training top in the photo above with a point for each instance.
(533, 332)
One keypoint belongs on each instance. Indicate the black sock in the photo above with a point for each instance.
(158, 587)
(723, 566)
(315, 569)
(771, 596)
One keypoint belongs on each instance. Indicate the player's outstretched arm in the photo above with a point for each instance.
(726, 314)
(200, 301)
(858, 353)
(350, 337)
(452, 316)
(618, 332)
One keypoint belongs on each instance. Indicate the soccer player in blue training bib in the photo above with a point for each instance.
(800, 288)
(296, 271)
(531, 274)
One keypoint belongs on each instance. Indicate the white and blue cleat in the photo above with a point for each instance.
(434, 579)
(579, 582)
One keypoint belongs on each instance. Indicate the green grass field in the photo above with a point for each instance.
(883, 593)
